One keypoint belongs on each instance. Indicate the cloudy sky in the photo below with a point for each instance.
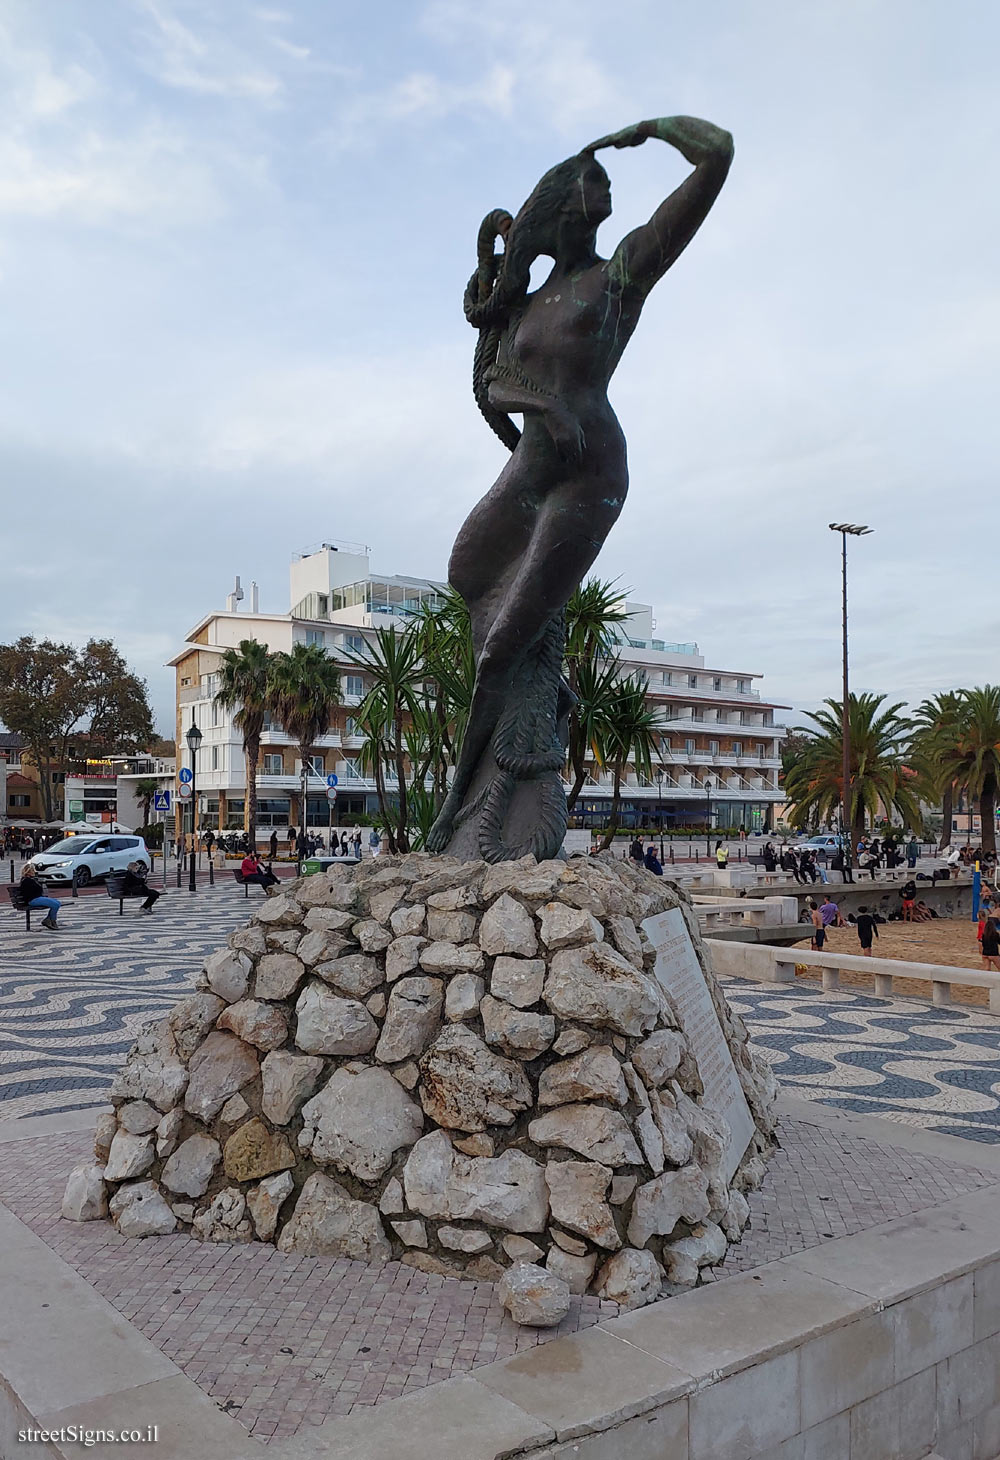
(233, 244)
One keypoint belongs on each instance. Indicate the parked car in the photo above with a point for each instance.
(90, 858)
(828, 844)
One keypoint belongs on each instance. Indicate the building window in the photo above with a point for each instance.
(697, 714)
(354, 685)
(270, 723)
(713, 747)
(314, 765)
(668, 677)
(692, 681)
(273, 812)
(761, 751)
(737, 747)
(351, 726)
(274, 765)
(186, 680)
(717, 684)
(316, 636)
(354, 642)
(215, 757)
(689, 747)
(16, 800)
(743, 686)
(352, 768)
(235, 813)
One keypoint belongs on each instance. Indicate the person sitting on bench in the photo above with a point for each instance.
(135, 885)
(34, 893)
(252, 870)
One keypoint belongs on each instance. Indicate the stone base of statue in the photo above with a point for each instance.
(523, 1073)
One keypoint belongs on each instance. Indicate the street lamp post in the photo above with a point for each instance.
(708, 815)
(846, 529)
(659, 809)
(194, 739)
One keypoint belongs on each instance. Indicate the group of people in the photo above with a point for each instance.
(645, 857)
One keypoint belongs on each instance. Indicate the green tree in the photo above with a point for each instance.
(394, 668)
(58, 697)
(145, 789)
(629, 733)
(593, 615)
(974, 761)
(304, 693)
(879, 738)
(935, 740)
(245, 689)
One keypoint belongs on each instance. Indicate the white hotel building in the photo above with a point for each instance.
(720, 744)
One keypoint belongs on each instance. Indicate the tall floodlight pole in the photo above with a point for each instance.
(846, 529)
(194, 739)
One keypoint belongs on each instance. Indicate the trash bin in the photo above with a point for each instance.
(311, 866)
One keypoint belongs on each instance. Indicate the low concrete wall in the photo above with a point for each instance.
(767, 963)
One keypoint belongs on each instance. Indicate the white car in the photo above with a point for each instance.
(90, 857)
(828, 844)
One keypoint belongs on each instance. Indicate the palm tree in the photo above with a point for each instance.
(938, 722)
(145, 790)
(245, 687)
(593, 614)
(304, 691)
(974, 761)
(597, 693)
(629, 732)
(879, 775)
(394, 668)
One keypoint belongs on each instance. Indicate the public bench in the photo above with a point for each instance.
(19, 901)
(115, 885)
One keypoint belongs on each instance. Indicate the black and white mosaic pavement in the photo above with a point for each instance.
(72, 1002)
(938, 1068)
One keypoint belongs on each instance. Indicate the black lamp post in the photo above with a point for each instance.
(194, 739)
(659, 809)
(846, 529)
(708, 815)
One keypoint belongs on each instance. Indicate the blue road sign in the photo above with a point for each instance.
(331, 780)
(184, 775)
(161, 801)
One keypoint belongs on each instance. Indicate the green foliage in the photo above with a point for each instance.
(972, 760)
(935, 738)
(65, 700)
(629, 732)
(304, 692)
(879, 780)
(144, 791)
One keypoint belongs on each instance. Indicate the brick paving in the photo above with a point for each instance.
(284, 1341)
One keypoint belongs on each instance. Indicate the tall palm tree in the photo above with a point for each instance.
(304, 691)
(594, 613)
(629, 732)
(444, 639)
(974, 761)
(394, 668)
(245, 687)
(597, 697)
(879, 775)
(938, 723)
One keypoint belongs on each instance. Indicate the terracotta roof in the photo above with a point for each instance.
(16, 779)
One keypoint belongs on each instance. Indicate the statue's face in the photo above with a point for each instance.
(595, 191)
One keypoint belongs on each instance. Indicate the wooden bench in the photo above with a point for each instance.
(115, 884)
(241, 881)
(20, 902)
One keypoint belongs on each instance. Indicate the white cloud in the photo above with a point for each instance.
(180, 58)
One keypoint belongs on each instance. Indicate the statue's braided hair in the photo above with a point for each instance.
(500, 284)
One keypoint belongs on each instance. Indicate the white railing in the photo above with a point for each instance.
(766, 964)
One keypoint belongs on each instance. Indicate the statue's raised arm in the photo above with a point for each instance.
(645, 254)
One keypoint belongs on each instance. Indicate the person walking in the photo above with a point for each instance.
(356, 842)
(721, 857)
(867, 929)
(35, 896)
(991, 945)
(374, 842)
(27, 846)
(818, 928)
(272, 845)
(135, 885)
(912, 852)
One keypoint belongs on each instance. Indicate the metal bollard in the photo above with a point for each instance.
(178, 871)
(12, 869)
(75, 892)
(211, 872)
(671, 854)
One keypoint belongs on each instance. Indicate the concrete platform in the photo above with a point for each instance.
(859, 1320)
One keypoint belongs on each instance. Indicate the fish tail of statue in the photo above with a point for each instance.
(516, 804)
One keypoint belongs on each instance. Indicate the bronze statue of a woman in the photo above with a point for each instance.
(549, 356)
